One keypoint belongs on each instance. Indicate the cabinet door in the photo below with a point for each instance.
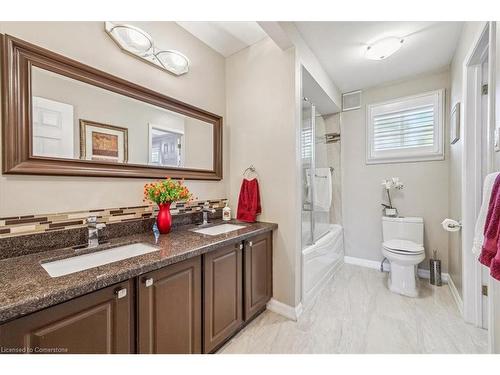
(169, 309)
(96, 323)
(258, 286)
(222, 295)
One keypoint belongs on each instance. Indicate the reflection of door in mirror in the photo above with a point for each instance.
(52, 128)
(166, 145)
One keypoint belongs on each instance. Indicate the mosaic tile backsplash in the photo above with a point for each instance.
(31, 224)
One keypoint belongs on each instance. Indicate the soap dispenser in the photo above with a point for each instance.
(226, 213)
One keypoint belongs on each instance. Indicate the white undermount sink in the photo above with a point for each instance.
(218, 229)
(83, 262)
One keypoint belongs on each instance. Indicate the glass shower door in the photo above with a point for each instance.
(316, 176)
(321, 179)
(307, 156)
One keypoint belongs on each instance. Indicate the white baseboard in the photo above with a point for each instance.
(426, 274)
(287, 311)
(375, 264)
(456, 295)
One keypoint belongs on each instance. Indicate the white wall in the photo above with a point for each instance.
(426, 183)
(203, 86)
(261, 117)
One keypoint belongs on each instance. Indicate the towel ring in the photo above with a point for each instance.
(250, 169)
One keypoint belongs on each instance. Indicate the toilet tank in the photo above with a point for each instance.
(403, 228)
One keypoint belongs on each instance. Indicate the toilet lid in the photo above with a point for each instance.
(403, 246)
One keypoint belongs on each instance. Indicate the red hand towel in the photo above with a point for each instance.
(490, 255)
(249, 201)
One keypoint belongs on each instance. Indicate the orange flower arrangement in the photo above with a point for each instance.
(166, 191)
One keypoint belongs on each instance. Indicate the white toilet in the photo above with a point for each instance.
(403, 246)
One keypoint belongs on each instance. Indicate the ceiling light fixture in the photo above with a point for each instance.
(383, 48)
(139, 43)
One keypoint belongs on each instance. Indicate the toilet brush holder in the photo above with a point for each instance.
(435, 270)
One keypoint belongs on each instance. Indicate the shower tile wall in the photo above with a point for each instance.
(332, 125)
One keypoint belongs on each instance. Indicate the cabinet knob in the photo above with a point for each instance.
(250, 243)
(241, 246)
(149, 281)
(121, 293)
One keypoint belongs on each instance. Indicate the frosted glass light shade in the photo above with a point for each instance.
(383, 48)
(173, 61)
(132, 39)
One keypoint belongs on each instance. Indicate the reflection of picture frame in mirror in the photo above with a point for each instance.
(103, 142)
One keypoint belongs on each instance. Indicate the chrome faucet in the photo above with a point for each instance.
(206, 210)
(94, 229)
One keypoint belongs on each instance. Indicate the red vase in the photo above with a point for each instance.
(164, 218)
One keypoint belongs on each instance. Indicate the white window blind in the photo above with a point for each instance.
(406, 129)
(306, 140)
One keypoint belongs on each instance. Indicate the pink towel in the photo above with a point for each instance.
(490, 254)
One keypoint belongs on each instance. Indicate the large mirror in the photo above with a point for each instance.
(81, 121)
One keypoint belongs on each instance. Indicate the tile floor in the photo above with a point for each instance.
(356, 313)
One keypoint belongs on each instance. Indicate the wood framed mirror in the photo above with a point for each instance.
(62, 117)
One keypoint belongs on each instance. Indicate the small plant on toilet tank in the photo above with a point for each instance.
(388, 184)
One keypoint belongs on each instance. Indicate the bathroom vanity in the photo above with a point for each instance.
(190, 296)
(185, 292)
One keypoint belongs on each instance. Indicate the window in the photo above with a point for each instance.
(306, 143)
(406, 129)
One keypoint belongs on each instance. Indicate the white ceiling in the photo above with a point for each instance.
(340, 48)
(226, 38)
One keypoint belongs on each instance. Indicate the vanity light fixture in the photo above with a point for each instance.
(139, 43)
(173, 61)
(383, 48)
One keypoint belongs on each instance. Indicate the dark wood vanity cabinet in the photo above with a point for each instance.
(193, 306)
(100, 322)
(169, 309)
(258, 274)
(223, 297)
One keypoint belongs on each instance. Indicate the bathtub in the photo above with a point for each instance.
(320, 260)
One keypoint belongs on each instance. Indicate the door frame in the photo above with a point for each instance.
(471, 197)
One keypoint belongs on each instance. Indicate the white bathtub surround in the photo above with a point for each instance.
(356, 313)
(320, 260)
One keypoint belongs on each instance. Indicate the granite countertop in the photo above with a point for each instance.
(26, 287)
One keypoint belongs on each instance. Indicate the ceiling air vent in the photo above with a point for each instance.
(351, 100)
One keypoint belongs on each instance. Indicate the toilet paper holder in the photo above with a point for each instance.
(451, 225)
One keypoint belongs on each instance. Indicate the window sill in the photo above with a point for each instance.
(411, 159)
